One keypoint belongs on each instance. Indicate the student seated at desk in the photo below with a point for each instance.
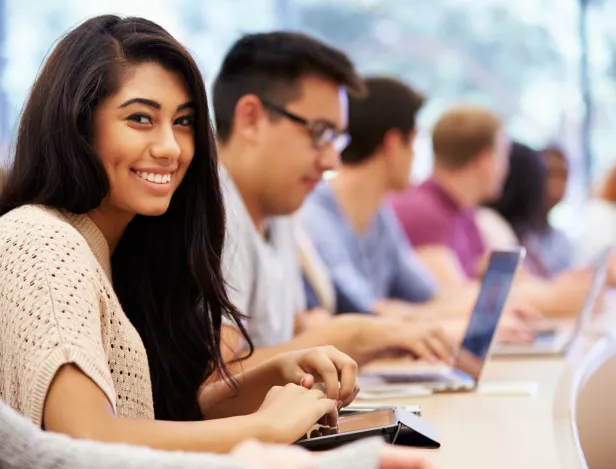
(371, 264)
(280, 104)
(599, 226)
(438, 216)
(520, 216)
(111, 238)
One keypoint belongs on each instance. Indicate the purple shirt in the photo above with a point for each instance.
(430, 216)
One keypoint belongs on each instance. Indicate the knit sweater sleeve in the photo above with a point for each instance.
(24, 446)
(50, 313)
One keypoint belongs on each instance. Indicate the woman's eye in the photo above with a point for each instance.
(140, 119)
(186, 121)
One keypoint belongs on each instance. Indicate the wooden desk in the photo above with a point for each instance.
(516, 431)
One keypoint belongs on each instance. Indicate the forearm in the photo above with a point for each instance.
(397, 309)
(540, 294)
(220, 399)
(444, 265)
(213, 436)
(450, 303)
(339, 332)
(453, 303)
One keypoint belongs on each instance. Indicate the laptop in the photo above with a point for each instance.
(474, 351)
(558, 340)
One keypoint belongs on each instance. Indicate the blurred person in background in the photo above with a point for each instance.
(371, 263)
(470, 166)
(557, 176)
(471, 163)
(598, 235)
(280, 102)
(535, 184)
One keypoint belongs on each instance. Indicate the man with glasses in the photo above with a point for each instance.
(280, 103)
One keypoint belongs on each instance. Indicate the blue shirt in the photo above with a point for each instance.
(553, 250)
(377, 265)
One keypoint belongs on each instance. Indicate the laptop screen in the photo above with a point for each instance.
(495, 288)
(596, 286)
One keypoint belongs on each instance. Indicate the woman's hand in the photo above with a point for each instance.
(291, 411)
(327, 365)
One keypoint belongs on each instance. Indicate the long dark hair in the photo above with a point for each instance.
(523, 200)
(167, 269)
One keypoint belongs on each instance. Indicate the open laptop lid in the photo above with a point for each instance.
(596, 286)
(493, 294)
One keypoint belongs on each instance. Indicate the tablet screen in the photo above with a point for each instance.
(355, 422)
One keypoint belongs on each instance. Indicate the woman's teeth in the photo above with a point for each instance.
(155, 178)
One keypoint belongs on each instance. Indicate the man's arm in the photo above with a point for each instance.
(412, 281)
(340, 335)
(430, 235)
(364, 338)
(562, 296)
(443, 264)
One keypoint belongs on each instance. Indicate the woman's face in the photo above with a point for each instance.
(556, 181)
(145, 139)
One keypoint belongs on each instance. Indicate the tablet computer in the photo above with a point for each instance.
(391, 424)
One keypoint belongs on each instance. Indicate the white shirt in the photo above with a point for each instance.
(599, 231)
(263, 276)
(495, 230)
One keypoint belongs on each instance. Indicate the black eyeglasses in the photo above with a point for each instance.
(322, 133)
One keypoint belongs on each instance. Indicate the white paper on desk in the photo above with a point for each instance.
(374, 388)
(414, 409)
(508, 388)
(393, 393)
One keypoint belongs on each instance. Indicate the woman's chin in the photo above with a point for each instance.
(154, 210)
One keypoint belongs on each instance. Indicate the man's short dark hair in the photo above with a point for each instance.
(270, 65)
(388, 105)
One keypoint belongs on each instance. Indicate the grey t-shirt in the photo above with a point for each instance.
(263, 276)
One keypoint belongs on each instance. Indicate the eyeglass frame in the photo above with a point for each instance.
(339, 140)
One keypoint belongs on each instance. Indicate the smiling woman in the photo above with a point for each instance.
(145, 137)
(111, 234)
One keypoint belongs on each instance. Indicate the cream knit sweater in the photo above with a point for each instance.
(57, 306)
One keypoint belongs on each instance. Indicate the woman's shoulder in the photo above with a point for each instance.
(33, 216)
(35, 228)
